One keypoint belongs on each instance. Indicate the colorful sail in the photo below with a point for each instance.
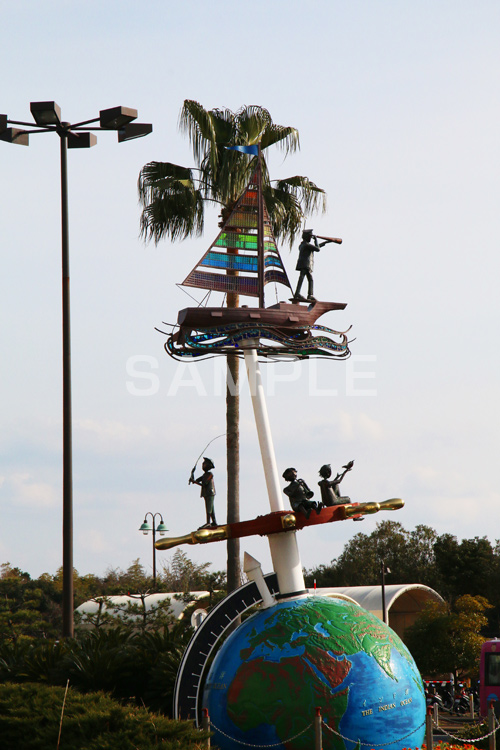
(244, 257)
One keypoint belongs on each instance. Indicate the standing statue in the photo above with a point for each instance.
(299, 493)
(206, 482)
(305, 263)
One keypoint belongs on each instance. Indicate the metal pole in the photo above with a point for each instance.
(428, 729)
(154, 554)
(384, 612)
(491, 726)
(205, 725)
(67, 426)
(318, 738)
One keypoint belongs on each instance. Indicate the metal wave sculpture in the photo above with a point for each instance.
(269, 341)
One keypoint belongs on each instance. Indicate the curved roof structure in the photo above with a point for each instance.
(116, 604)
(403, 602)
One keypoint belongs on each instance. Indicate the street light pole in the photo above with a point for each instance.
(47, 116)
(68, 594)
(146, 527)
(383, 570)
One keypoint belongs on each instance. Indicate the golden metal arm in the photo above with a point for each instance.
(201, 536)
(363, 509)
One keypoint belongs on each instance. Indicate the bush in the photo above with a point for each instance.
(30, 716)
(128, 665)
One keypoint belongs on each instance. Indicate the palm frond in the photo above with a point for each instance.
(251, 123)
(198, 123)
(285, 137)
(289, 201)
(285, 212)
(154, 175)
(312, 197)
(173, 205)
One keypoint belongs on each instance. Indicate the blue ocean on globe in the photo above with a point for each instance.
(282, 662)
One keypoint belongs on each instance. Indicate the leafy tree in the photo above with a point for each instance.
(448, 639)
(27, 608)
(182, 574)
(408, 554)
(467, 567)
(174, 199)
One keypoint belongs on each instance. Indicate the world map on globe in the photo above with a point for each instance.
(282, 662)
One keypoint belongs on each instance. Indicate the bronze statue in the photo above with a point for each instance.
(305, 263)
(299, 494)
(206, 482)
(330, 492)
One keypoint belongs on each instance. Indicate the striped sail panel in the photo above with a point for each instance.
(247, 263)
(218, 282)
(243, 219)
(235, 251)
(237, 241)
(278, 277)
(271, 260)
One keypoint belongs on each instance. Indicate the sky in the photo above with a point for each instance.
(397, 106)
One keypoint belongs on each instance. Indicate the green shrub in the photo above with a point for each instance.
(30, 717)
(128, 665)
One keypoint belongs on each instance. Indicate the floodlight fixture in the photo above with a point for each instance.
(116, 117)
(134, 130)
(15, 135)
(81, 140)
(46, 113)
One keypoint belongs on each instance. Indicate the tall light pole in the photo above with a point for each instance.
(47, 117)
(383, 570)
(146, 527)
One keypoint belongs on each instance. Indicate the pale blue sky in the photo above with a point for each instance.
(398, 111)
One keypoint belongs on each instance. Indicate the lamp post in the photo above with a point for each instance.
(146, 527)
(383, 570)
(47, 117)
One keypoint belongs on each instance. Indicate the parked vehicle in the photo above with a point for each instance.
(489, 674)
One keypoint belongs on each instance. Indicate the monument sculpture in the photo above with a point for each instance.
(298, 651)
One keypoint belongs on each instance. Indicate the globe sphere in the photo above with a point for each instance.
(284, 661)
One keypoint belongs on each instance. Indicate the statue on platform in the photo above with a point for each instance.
(299, 494)
(305, 263)
(330, 491)
(206, 482)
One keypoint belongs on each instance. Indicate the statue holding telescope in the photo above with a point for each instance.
(305, 262)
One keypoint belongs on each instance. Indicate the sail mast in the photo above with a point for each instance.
(260, 228)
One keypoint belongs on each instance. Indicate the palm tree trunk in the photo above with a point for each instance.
(233, 460)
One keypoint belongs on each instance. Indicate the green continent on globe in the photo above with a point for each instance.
(279, 665)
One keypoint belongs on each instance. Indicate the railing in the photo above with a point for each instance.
(431, 722)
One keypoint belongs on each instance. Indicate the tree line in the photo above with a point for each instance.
(452, 567)
(446, 638)
(466, 573)
(32, 608)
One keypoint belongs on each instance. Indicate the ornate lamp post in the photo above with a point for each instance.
(47, 117)
(146, 527)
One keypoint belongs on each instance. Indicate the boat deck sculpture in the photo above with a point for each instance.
(243, 259)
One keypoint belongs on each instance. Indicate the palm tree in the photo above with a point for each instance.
(174, 200)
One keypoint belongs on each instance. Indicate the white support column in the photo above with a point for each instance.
(263, 430)
(284, 550)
